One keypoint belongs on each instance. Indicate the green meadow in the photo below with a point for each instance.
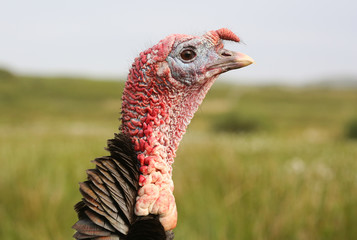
(262, 163)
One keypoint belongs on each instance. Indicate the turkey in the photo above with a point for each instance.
(129, 194)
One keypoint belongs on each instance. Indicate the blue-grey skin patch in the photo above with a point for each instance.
(191, 71)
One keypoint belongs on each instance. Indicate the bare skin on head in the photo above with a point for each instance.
(165, 86)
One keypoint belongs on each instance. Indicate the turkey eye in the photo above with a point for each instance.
(188, 54)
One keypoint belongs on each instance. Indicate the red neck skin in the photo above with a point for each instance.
(156, 110)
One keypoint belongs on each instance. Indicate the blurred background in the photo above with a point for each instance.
(271, 152)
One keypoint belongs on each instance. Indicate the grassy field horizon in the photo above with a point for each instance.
(266, 162)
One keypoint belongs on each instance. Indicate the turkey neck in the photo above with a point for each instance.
(156, 110)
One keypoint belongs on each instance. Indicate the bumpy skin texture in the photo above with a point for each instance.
(161, 95)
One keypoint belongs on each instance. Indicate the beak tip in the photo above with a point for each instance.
(244, 59)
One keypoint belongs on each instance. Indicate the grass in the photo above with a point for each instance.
(293, 178)
(351, 129)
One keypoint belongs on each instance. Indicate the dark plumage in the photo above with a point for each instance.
(107, 208)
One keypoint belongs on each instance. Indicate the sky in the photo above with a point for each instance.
(292, 41)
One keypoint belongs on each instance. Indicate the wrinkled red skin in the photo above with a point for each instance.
(156, 110)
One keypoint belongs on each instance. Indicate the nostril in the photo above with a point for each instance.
(226, 54)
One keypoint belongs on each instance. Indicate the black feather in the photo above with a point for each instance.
(106, 211)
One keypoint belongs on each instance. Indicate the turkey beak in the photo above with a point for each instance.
(230, 60)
